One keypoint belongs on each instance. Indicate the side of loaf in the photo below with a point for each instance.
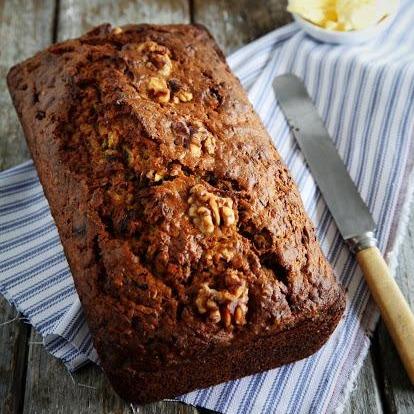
(190, 249)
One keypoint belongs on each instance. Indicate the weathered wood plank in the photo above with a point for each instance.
(365, 398)
(398, 391)
(25, 27)
(49, 387)
(78, 16)
(235, 23)
(13, 349)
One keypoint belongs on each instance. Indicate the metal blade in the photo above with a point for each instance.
(344, 202)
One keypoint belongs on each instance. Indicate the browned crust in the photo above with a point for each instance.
(308, 309)
(264, 354)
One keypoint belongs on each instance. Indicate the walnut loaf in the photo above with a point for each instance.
(186, 236)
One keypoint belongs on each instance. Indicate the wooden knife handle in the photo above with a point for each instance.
(395, 310)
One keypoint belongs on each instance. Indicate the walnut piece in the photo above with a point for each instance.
(113, 139)
(183, 96)
(155, 175)
(201, 140)
(158, 55)
(208, 210)
(129, 155)
(157, 87)
(219, 251)
(166, 63)
(110, 138)
(227, 305)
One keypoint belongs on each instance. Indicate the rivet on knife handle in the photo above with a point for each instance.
(351, 215)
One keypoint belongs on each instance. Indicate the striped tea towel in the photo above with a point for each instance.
(365, 95)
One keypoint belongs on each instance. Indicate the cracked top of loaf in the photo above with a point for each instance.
(183, 228)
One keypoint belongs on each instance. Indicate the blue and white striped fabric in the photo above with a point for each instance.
(365, 95)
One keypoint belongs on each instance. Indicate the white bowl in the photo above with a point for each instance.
(345, 38)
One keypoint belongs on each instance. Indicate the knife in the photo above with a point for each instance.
(351, 215)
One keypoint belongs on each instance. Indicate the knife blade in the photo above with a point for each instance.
(352, 216)
(323, 160)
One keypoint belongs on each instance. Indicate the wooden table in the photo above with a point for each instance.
(30, 379)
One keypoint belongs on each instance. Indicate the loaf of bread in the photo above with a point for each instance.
(190, 249)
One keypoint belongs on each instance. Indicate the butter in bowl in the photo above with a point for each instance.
(343, 21)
